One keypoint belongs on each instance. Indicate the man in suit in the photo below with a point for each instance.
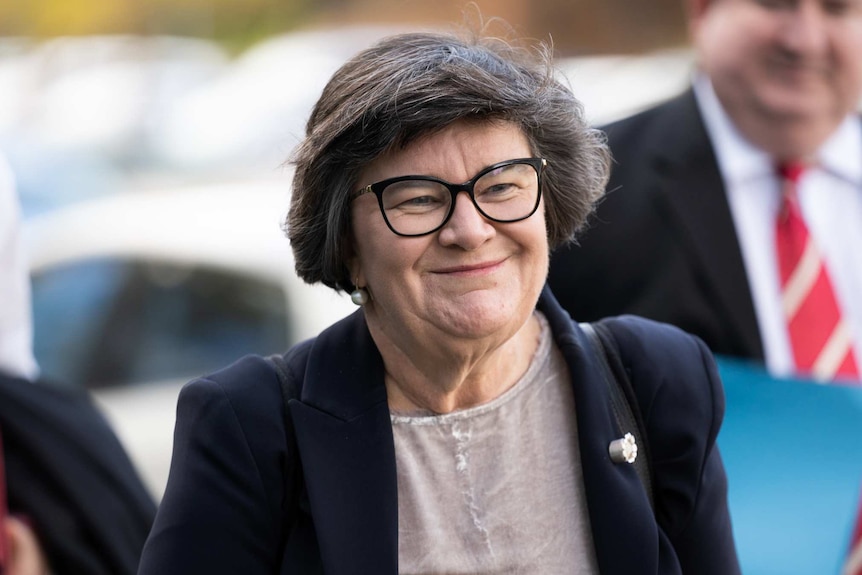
(686, 233)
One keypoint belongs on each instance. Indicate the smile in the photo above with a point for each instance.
(479, 269)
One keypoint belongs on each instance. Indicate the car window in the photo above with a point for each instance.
(120, 322)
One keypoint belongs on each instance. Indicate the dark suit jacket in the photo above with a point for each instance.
(237, 502)
(67, 473)
(662, 243)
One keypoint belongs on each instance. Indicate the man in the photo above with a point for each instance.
(688, 232)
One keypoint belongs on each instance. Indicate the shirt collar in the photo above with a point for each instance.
(841, 155)
(739, 160)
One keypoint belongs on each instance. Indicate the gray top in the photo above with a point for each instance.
(496, 488)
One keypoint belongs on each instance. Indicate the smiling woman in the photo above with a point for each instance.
(476, 281)
(458, 422)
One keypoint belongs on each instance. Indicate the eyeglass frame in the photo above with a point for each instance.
(377, 188)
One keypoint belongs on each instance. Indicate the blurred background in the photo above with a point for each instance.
(149, 141)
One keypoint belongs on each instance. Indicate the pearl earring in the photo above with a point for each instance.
(359, 296)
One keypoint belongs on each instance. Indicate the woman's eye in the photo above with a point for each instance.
(420, 201)
(412, 200)
(498, 191)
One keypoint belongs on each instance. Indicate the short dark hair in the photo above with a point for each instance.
(412, 85)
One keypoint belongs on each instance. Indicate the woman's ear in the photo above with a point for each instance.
(354, 267)
(349, 255)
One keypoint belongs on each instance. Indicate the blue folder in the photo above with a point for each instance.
(793, 453)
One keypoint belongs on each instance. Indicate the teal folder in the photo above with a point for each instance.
(793, 453)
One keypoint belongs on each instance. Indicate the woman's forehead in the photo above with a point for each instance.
(459, 150)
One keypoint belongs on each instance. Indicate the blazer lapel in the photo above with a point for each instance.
(689, 189)
(623, 526)
(345, 441)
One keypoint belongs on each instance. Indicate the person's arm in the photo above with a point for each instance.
(222, 509)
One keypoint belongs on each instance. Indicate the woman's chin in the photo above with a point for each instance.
(481, 317)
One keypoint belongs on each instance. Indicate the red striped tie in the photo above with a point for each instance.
(819, 337)
(853, 566)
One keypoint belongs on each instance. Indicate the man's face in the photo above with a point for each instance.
(786, 71)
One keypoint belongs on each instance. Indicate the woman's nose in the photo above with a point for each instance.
(466, 227)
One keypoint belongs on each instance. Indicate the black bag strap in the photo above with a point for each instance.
(280, 366)
(288, 392)
(623, 400)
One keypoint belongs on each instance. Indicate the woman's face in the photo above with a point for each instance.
(473, 277)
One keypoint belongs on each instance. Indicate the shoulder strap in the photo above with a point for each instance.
(287, 388)
(623, 399)
(292, 472)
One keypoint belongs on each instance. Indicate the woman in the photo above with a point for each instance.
(456, 422)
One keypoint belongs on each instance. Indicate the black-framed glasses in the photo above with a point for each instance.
(505, 192)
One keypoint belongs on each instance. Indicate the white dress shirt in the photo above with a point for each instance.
(830, 197)
(16, 325)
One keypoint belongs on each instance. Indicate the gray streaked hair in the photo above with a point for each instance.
(412, 85)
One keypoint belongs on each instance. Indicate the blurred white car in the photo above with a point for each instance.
(138, 292)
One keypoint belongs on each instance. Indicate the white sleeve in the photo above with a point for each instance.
(16, 323)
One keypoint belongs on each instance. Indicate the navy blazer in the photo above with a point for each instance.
(258, 488)
(663, 244)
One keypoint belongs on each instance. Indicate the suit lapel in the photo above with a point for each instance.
(345, 441)
(689, 190)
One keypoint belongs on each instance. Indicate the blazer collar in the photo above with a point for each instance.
(344, 373)
(344, 435)
(690, 192)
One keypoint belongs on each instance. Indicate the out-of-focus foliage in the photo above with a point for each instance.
(234, 23)
(576, 26)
